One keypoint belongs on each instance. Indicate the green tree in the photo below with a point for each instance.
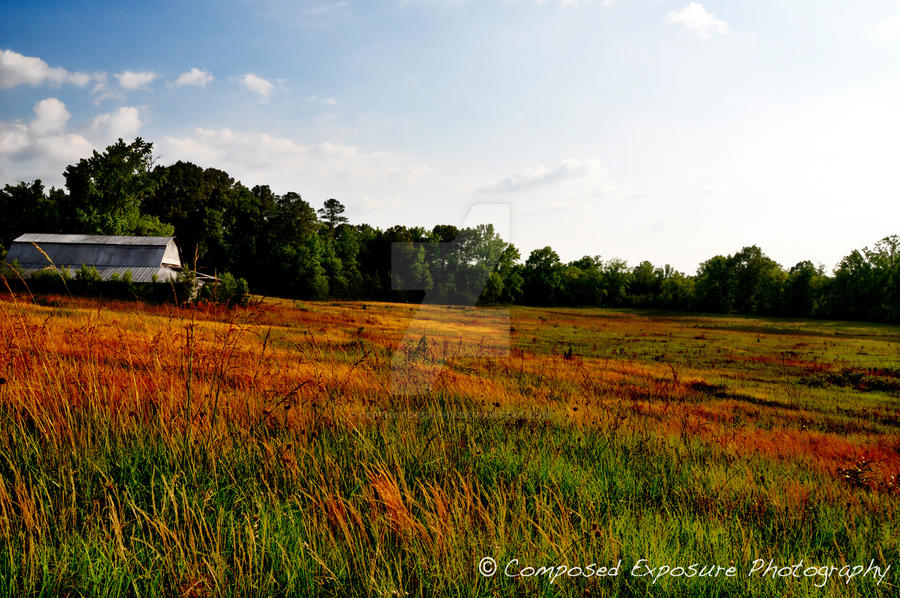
(299, 269)
(107, 190)
(193, 200)
(758, 281)
(676, 291)
(615, 279)
(853, 287)
(293, 220)
(645, 284)
(804, 290)
(332, 213)
(504, 285)
(374, 261)
(866, 283)
(474, 254)
(585, 287)
(347, 248)
(297, 258)
(884, 258)
(246, 217)
(443, 233)
(26, 208)
(542, 277)
(716, 285)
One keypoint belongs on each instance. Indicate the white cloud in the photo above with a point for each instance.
(572, 191)
(381, 203)
(79, 79)
(322, 9)
(135, 80)
(694, 17)
(17, 69)
(51, 117)
(260, 158)
(41, 148)
(124, 122)
(318, 100)
(195, 77)
(257, 85)
(103, 91)
(535, 178)
(576, 205)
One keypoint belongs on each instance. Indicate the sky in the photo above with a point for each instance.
(663, 130)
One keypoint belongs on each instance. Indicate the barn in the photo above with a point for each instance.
(148, 259)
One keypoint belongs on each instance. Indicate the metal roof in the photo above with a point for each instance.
(93, 250)
(92, 239)
(162, 274)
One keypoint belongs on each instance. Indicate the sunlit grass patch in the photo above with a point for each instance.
(156, 450)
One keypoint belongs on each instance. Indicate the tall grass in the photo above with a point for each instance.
(159, 451)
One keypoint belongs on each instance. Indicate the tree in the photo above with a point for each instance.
(107, 190)
(885, 260)
(347, 247)
(866, 283)
(289, 249)
(444, 233)
(803, 289)
(193, 200)
(758, 280)
(645, 284)
(473, 255)
(716, 285)
(373, 259)
(542, 277)
(504, 285)
(304, 275)
(853, 287)
(26, 208)
(585, 283)
(615, 278)
(293, 220)
(332, 213)
(676, 291)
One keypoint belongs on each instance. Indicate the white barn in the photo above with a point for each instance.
(148, 259)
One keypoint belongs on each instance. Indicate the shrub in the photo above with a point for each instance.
(11, 270)
(86, 281)
(88, 274)
(227, 290)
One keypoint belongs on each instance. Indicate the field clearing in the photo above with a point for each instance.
(316, 448)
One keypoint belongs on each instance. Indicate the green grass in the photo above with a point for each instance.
(101, 496)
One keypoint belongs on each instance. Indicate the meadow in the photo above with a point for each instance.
(374, 449)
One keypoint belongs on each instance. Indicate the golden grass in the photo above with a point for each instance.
(291, 384)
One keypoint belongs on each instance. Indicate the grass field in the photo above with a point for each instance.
(350, 449)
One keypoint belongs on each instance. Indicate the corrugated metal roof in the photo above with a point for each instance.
(92, 239)
(141, 275)
(93, 250)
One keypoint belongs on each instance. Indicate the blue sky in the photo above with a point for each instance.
(640, 129)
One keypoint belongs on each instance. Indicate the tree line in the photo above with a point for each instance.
(283, 246)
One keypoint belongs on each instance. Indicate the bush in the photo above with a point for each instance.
(87, 281)
(11, 270)
(50, 280)
(227, 290)
(88, 274)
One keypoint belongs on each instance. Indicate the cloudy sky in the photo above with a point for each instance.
(642, 129)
